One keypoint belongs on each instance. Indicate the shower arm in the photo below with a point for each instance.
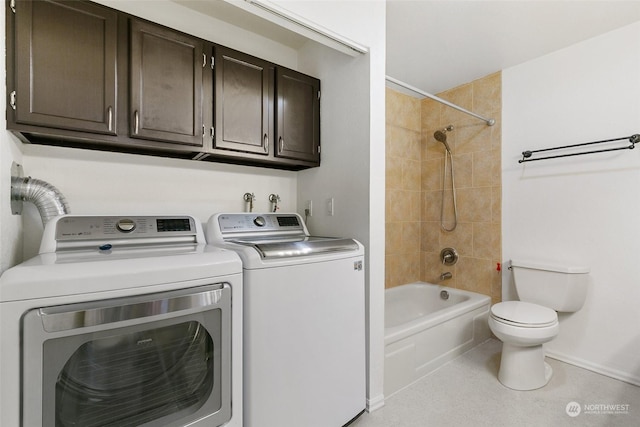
(489, 122)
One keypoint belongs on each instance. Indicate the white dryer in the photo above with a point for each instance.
(122, 321)
(304, 320)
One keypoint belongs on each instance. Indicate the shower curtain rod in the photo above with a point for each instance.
(489, 122)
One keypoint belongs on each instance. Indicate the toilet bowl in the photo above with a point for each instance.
(524, 326)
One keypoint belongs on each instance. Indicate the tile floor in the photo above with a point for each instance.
(466, 392)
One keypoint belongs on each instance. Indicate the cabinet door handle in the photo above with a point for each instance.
(280, 144)
(204, 60)
(266, 142)
(110, 118)
(136, 122)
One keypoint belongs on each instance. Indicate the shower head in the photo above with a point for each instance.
(441, 136)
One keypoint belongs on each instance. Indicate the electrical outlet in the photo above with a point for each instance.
(308, 210)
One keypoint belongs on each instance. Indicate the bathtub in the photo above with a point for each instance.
(424, 331)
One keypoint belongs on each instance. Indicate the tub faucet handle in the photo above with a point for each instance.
(448, 256)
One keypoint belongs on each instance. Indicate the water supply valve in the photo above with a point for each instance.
(249, 198)
(274, 199)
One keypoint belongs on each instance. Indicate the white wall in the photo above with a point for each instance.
(352, 171)
(10, 225)
(580, 210)
(103, 183)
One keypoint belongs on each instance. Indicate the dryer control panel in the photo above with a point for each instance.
(84, 227)
(76, 232)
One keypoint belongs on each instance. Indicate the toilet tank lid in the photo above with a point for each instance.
(568, 269)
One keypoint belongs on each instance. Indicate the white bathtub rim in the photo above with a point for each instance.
(407, 329)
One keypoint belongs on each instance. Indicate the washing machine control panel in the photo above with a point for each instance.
(265, 222)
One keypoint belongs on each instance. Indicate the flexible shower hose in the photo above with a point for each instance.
(447, 155)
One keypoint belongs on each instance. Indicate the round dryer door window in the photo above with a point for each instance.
(136, 378)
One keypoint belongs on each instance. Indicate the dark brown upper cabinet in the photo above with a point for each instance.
(65, 66)
(298, 116)
(243, 102)
(264, 113)
(83, 75)
(166, 85)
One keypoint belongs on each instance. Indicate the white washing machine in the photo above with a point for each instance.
(122, 321)
(304, 320)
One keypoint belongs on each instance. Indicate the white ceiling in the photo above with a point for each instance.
(438, 45)
(230, 12)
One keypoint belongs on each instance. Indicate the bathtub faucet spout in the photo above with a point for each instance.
(445, 276)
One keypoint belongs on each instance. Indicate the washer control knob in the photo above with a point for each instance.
(126, 225)
(259, 221)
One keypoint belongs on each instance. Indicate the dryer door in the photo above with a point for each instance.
(161, 359)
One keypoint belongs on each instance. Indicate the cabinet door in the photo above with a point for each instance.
(65, 65)
(166, 85)
(243, 102)
(298, 116)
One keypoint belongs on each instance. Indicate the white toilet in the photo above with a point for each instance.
(523, 326)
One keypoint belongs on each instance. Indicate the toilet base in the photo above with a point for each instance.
(523, 368)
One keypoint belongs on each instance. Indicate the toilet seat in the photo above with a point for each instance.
(523, 314)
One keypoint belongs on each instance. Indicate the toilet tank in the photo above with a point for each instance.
(562, 288)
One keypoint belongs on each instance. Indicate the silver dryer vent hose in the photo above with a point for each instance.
(47, 198)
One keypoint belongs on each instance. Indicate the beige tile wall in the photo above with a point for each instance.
(403, 189)
(476, 157)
